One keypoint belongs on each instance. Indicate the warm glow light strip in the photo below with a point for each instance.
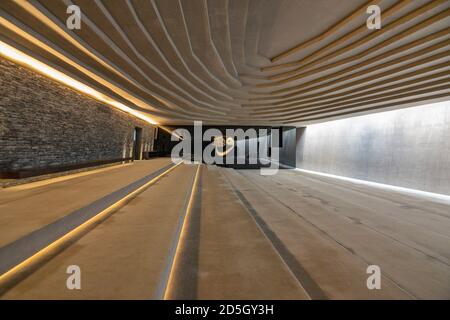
(168, 289)
(53, 26)
(74, 64)
(414, 192)
(46, 182)
(15, 55)
(77, 231)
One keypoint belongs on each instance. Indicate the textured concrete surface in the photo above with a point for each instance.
(330, 231)
(407, 148)
(219, 60)
(125, 256)
(231, 257)
(43, 123)
(288, 146)
(293, 235)
(27, 208)
(225, 255)
(286, 143)
(6, 183)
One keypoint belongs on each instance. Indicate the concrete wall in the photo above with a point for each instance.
(407, 148)
(288, 146)
(46, 124)
(252, 147)
(287, 154)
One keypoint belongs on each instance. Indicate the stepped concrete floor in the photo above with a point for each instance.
(26, 208)
(207, 232)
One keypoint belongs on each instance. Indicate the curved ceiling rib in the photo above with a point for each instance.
(363, 55)
(55, 24)
(210, 101)
(341, 24)
(187, 98)
(371, 94)
(307, 87)
(219, 29)
(243, 61)
(200, 43)
(437, 85)
(182, 58)
(36, 40)
(377, 67)
(354, 33)
(375, 86)
(390, 105)
(319, 56)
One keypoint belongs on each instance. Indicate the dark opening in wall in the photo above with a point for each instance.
(137, 143)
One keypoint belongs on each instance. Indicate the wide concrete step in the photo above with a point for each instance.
(29, 207)
(330, 232)
(224, 253)
(187, 236)
(127, 256)
(207, 232)
(38, 214)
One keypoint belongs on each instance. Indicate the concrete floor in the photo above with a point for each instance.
(335, 229)
(26, 208)
(226, 256)
(289, 236)
(125, 256)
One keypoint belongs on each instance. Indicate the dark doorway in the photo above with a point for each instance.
(137, 143)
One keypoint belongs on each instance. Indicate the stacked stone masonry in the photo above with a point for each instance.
(44, 124)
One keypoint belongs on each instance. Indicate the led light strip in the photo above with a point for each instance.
(46, 251)
(121, 92)
(415, 192)
(17, 56)
(169, 286)
(31, 9)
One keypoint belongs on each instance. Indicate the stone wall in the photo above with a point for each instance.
(406, 148)
(43, 123)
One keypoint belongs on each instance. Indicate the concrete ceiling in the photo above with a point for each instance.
(243, 61)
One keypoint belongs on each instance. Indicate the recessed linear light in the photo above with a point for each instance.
(51, 248)
(15, 55)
